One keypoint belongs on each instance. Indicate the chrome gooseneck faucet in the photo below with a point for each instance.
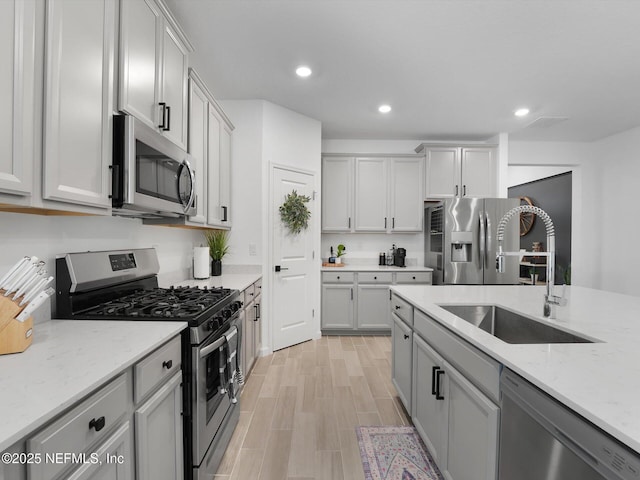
(550, 300)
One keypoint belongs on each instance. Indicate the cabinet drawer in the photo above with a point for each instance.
(156, 368)
(82, 427)
(403, 309)
(258, 287)
(375, 277)
(249, 294)
(413, 277)
(482, 370)
(337, 277)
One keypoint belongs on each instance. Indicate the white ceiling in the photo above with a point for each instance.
(451, 69)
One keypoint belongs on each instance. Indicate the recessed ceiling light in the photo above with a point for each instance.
(303, 71)
(521, 112)
(384, 108)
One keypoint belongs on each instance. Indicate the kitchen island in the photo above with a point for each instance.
(597, 380)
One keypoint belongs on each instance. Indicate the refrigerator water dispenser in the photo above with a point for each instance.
(461, 246)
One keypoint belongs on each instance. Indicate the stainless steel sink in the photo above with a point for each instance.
(511, 327)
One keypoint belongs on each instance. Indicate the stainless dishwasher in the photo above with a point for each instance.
(540, 439)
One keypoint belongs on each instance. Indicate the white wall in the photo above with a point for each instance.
(48, 236)
(618, 161)
(246, 181)
(519, 174)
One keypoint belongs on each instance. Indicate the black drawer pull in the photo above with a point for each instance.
(434, 370)
(398, 307)
(167, 364)
(338, 277)
(438, 395)
(97, 424)
(406, 337)
(414, 278)
(375, 278)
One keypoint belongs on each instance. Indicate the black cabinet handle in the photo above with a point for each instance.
(438, 396)
(464, 190)
(406, 337)
(257, 307)
(168, 127)
(434, 370)
(338, 277)
(349, 222)
(97, 424)
(224, 213)
(414, 278)
(375, 278)
(398, 307)
(167, 364)
(252, 294)
(385, 222)
(352, 294)
(456, 190)
(393, 222)
(163, 125)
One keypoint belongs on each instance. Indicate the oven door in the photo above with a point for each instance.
(212, 398)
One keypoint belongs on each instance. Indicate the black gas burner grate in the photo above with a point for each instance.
(174, 302)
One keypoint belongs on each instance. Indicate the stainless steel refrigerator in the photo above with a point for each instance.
(461, 245)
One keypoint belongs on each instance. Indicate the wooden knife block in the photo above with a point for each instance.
(15, 336)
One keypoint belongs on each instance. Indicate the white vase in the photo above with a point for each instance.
(338, 260)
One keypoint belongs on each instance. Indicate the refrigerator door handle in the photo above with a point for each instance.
(483, 239)
(488, 244)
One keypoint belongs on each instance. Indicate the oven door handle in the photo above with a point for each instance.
(209, 349)
(192, 193)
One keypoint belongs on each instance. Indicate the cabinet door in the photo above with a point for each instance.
(140, 22)
(479, 172)
(442, 172)
(17, 28)
(225, 175)
(116, 459)
(249, 335)
(406, 195)
(472, 439)
(337, 306)
(198, 115)
(159, 434)
(373, 307)
(79, 101)
(174, 85)
(429, 414)
(401, 359)
(214, 210)
(337, 194)
(371, 195)
(257, 329)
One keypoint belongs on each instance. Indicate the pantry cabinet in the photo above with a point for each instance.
(372, 194)
(153, 68)
(455, 171)
(17, 94)
(80, 43)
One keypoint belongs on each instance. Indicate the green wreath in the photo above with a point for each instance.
(294, 213)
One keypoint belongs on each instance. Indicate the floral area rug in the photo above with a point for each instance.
(395, 453)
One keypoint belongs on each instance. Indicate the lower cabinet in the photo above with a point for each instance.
(159, 439)
(337, 307)
(251, 326)
(401, 360)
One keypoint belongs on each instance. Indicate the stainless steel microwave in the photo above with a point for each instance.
(152, 177)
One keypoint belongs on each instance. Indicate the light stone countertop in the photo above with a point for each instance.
(234, 281)
(600, 381)
(68, 360)
(376, 268)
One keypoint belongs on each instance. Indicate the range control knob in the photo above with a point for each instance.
(226, 313)
(210, 325)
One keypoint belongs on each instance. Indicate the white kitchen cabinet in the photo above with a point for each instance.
(17, 94)
(159, 439)
(198, 143)
(402, 359)
(429, 414)
(251, 323)
(219, 168)
(78, 99)
(472, 434)
(338, 306)
(116, 459)
(153, 68)
(406, 207)
(337, 194)
(371, 195)
(373, 307)
(454, 171)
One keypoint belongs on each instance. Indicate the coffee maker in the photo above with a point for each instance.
(399, 257)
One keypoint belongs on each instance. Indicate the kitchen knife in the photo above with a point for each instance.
(12, 270)
(17, 279)
(39, 300)
(32, 279)
(28, 275)
(35, 290)
(17, 274)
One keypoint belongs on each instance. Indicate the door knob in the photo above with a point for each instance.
(279, 268)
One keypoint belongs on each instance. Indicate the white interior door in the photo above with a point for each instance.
(293, 285)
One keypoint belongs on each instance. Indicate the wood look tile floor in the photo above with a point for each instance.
(300, 406)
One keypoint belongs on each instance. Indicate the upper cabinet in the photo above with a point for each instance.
(153, 68)
(78, 101)
(17, 94)
(454, 171)
(372, 194)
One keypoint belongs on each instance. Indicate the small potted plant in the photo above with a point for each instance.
(342, 250)
(533, 275)
(218, 241)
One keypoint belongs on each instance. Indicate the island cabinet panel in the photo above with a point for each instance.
(401, 360)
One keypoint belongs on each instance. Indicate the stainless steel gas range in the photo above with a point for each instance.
(123, 285)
